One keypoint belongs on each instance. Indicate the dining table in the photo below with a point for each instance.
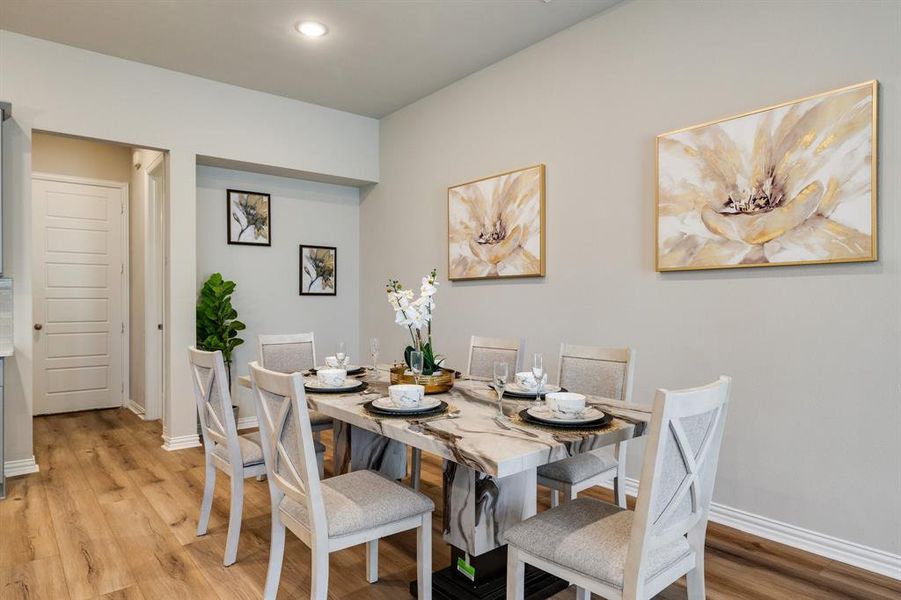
(489, 469)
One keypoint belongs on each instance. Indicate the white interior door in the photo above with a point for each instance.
(79, 280)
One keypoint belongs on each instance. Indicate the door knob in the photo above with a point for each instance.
(38, 326)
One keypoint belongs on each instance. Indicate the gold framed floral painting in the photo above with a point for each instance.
(789, 184)
(496, 226)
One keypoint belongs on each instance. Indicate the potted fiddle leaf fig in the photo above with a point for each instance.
(217, 320)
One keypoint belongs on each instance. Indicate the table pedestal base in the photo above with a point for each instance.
(490, 581)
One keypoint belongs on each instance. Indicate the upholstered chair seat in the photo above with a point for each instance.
(358, 501)
(591, 537)
(579, 468)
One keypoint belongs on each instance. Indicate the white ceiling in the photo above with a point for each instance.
(379, 55)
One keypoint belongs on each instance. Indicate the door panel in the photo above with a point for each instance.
(78, 295)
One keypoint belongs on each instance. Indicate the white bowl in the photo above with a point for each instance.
(332, 361)
(566, 403)
(526, 380)
(331, 377)
(406, 395)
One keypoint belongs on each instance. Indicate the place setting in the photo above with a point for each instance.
(566, 410)
(408, 399)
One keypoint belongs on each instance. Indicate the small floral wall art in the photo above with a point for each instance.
(496, 226)
(785, 185)
(318, 271)
(249, 218)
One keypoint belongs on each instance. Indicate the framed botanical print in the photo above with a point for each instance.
(318, 270)
(790, 184)
(249, 216)
(495, 226)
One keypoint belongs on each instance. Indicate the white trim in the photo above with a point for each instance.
(136, 408)
(23, 466)
(247, 422)
(821, 544)
(170, 444)
(154, 285)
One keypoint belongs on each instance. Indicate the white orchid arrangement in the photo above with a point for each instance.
(416, 315)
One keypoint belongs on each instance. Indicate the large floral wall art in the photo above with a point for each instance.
(496, 226)
(785, 185)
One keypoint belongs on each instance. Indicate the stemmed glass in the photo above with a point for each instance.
(538, 374)
(341, 354)
(500, 383)
(416, 365)
(374, 352)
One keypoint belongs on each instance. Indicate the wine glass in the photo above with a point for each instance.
(416, 365)
(374, 352)
(500, 383)
(538, 374)
(341, 354)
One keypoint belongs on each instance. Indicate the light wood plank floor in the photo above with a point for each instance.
(112, 515)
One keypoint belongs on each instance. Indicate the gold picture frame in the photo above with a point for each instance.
(774, 219)
(491, 225)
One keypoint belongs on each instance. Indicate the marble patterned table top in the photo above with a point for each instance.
(470, 434)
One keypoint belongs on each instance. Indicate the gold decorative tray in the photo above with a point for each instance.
(437, 383)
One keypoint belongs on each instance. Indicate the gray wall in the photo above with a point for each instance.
(266, 297)
(813, 431)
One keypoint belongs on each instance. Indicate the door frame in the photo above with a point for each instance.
(155, 288)
(123, 288)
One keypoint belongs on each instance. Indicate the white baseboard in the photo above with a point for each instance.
(24, 466)
(135, 408)
(247, 423)
(180, 442)
(852, 553)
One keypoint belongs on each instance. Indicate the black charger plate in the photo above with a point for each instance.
(341, 390)
(437, 410)
(527, 396)
(525, 416)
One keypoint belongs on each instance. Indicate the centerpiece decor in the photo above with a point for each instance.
(416, 315)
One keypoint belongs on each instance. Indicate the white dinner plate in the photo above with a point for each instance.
(426, 404)
(515, 388)
(543, 414)
(350, 385)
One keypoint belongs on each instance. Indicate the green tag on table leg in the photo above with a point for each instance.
(466, 569)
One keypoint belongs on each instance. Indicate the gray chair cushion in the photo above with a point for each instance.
(360, 500)
(578, 468)
(590, 537)
(251, 450)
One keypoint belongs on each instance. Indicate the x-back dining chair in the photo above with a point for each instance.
(596, 371)
(239, 456)
(332, 514)
(293, 353)
(485, 351)
(618, 553)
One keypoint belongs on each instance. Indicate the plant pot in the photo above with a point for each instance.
(437, 383)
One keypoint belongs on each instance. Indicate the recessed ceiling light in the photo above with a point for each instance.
(312, 29)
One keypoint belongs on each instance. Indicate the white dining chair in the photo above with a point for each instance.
(294, 353)
(618, 553)
(594, 371)
(330, 514)
(239, 456)
(485, 351)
